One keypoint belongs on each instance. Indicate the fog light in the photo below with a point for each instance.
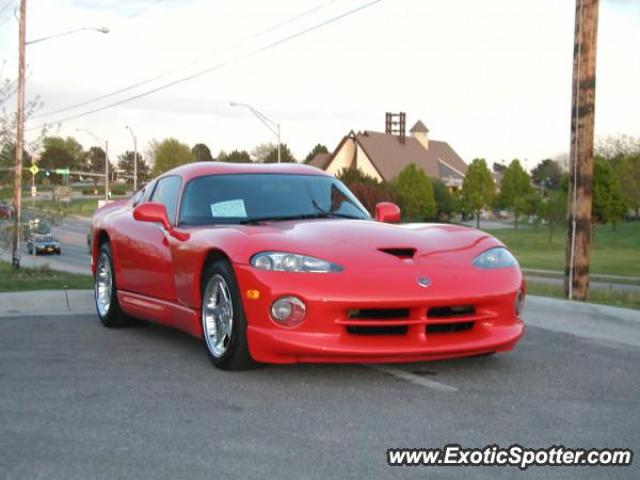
(519, 303)
(288, 311)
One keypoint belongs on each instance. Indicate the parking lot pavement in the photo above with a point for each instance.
(80, 401)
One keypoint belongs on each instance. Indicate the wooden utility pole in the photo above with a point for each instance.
(578, 247)
(17, 181)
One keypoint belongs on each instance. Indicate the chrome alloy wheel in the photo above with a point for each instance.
(217, 315)
(103, 285)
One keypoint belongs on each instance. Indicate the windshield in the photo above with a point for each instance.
(246, 198)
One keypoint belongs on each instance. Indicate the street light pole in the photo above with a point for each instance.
(17, 180)
(106, 159)
(270, 124)
(135, 159)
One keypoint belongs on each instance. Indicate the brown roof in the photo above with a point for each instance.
(419, 127)
(390, 156)
(321, 160)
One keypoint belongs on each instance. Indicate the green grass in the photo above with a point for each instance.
(614, 252)
(83, 207)
(42, 278)
(616, 298)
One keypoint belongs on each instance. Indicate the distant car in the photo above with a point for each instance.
(43, 244)
(282, 264)
(5, 211)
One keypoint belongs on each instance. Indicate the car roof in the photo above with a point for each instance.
(199, 169)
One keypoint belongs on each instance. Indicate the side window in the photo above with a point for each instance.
(166, 192)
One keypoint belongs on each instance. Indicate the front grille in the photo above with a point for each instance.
(378, 313)
(449, 327)
(381, 330)
(451, 311)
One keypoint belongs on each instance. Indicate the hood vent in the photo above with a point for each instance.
(399, 252)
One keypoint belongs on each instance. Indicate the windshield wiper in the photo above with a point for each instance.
(306, 216)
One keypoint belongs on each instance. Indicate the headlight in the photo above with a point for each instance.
(292, 262)
(497, 257)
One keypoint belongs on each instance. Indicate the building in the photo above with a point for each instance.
(384, 155)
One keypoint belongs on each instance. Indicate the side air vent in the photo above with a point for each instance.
(399, 252)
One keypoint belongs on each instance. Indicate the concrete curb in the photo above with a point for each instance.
(46, 302)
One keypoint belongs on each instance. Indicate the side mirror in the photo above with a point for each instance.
(157, 213)
(387, 212)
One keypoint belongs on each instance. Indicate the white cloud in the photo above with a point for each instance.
(493, 78)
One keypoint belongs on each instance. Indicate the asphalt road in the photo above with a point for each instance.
(72, 234)
(79, 401)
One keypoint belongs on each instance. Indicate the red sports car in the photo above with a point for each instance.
(282, 264)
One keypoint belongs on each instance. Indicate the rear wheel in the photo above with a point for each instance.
(107, 305)
(224, 326)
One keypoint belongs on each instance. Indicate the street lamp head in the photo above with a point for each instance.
(103, 30)
(234, 104)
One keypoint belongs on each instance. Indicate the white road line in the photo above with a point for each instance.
(413, 378)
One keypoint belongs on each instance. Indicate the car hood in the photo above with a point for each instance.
(346, 241)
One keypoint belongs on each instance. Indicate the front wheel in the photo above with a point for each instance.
(224, 326)
(106, 297)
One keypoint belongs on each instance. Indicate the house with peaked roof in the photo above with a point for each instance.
(384, 155)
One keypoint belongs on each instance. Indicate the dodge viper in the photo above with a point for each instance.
(282, 264)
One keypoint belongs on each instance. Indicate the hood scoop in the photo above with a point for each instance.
(400, 252)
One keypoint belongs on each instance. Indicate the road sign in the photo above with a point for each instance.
(34, 169)
(34, 190)
(62, 171)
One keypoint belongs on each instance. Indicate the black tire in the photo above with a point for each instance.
(113, 317)
(236, 356)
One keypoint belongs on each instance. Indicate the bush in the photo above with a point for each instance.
(366, 188)
(414, 192)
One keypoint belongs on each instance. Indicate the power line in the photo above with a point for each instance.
(169, 72)
(8, 4)
(144, 9)
(213, 68)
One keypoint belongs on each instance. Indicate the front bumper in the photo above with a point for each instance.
(330, 334)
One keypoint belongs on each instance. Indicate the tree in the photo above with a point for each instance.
(617, 145)
(367, 189)
(125, 162)
(61, 152)
(262, 151)
(444, 202)
(238, 156)
(93, 162)
(8, 119)
(629, 175)
(514, 188)
(608, 200)
(168, 154)
(319, 148)
(285, 153)
(414, 192)
(552, 210)
(201, 153)
(478, 188)
(547, 174)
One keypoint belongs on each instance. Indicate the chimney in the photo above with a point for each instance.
(395, 124)
(421, 133)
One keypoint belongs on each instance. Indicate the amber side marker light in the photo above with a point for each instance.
(253, 294)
